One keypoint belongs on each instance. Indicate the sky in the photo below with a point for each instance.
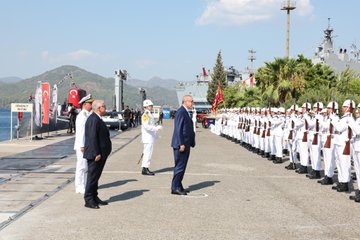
(163, 38)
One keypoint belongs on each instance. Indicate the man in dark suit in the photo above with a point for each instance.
(97, 149)
(183, 138)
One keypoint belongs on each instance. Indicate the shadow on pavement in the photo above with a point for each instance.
(116, 184)
(168, 169)
(127, 195)
(201, 185)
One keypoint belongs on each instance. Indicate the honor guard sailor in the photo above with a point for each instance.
(149, 134)
(81, 163)
(355, 126)
(342, 146)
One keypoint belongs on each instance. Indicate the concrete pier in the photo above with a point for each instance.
(234, 195)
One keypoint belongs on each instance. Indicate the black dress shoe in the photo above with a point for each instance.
(178, 192)
(101, 202)
(291, 166)
(326, 181)
(185, 190)
(277, 160)
(302, 169)
(92, 205)
(146, 171)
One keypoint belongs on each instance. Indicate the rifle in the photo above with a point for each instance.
(290, 137)
(248, 126)
(268, 131)
(255, 128)
(264, 131)
(316, 135)
(305, 136)
(347, 145)
(331, 130)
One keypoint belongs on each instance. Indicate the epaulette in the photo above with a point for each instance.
(145, 117)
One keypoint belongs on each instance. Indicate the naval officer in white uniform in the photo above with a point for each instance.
(81, 163)
(149, 134)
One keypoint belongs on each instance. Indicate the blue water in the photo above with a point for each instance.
(5, 124)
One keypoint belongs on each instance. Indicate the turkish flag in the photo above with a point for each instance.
(45, 88)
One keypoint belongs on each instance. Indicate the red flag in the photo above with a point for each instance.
(251, 80)
(218, 99)
(204, 72)
(45, 87)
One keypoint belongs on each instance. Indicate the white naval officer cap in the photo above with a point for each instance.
(358, 105)
(87, 99)
(147, 103)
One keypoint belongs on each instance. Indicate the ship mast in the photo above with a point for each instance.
(252, 57)
(288, 6)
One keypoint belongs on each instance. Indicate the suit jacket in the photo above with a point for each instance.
(97, 138)
(183, 130)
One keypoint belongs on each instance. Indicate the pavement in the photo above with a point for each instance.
(234, 195)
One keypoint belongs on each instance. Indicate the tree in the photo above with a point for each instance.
(218, 77)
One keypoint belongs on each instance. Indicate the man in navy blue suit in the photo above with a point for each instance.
(96, 150)
(183, 138)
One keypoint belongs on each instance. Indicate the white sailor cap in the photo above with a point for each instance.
(323, 110)
(358, 105)
(321, 105)
(147, 103)
(281, 110)
(348, 102)
(87, 99)
(294, 107)
(333, 103)
(306, 105)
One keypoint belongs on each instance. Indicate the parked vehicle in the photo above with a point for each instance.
(114, 120)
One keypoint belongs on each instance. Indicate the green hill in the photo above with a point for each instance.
(98, 86)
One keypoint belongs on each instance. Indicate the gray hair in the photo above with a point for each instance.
(97, 104)
(185, 97)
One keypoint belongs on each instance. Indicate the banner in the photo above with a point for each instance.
(54, 109)
(54, 95)
(37, 105)
(45, 102)
(218, 99)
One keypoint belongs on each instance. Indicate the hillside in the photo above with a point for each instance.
(98, 86)
(10, 79)
(154, 83)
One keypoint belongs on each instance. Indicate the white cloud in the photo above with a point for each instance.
(80, 54)
(67, 57)
(238, 12)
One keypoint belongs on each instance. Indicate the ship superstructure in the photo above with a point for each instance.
(339, 60)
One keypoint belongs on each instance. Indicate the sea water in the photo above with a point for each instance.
(5, 120)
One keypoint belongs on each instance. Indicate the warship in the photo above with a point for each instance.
(339, 60)
(198, 89)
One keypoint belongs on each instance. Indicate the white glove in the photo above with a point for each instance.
(158, 128)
